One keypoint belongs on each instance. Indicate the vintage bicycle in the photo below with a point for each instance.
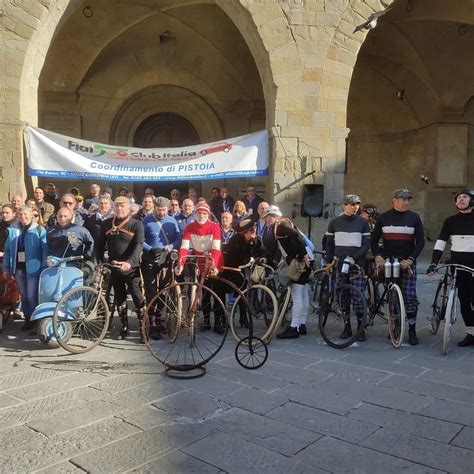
(188, 344)
(449, 314)
(385, 300)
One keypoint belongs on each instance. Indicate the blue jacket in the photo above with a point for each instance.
(184, 221)
(160, 233)
(70, 241)
(36, 249)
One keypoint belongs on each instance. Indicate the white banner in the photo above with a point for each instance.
(56, 156)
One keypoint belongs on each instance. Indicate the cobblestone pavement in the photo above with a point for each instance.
(309, 409)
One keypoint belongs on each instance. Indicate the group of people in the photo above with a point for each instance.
(134, 238)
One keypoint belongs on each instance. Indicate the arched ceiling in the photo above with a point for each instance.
(431, 39)
(128, 31)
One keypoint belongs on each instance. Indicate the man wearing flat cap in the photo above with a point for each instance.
(123, 237)
(399, 234)
(348, 238)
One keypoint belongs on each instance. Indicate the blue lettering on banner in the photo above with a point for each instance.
(150, 177)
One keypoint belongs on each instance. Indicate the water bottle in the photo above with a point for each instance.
(345, 265)
(388, 268)
(396, 268)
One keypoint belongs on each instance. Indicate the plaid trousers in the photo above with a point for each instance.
(408, 287)
(358, 282)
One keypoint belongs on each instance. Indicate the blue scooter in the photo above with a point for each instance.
(53, 283)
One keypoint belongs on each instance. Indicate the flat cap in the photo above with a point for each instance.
(402, 193)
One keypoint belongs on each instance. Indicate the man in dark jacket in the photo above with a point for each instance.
(252, 200)
(123, 237)
(222, 203)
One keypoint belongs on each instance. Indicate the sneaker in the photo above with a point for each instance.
(302, 329)
(347, 333)
(289, 333)
(467, 341)
(412, 339)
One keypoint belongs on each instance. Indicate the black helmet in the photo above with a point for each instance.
(469, 192)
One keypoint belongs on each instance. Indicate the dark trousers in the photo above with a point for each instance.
(465, 284)
(131, 282)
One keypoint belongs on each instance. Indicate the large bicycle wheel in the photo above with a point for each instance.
(342, 316)
(396, 316)
(239, 313)
(439, 305)
(448, 322)
(187, 344)
(86, 310)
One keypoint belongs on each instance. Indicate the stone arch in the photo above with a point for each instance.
(172, 99)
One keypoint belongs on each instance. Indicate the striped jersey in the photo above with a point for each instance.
(401, 234)
(347, 236)
(459, 229)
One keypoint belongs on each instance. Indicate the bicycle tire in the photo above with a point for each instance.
(340, 310)
(260, 328)
(191, 348)
(252, 355)
(448, 322)
(90, 319)
(396, 316)
(439, 305)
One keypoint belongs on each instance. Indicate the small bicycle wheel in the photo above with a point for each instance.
(187, 343)
(448, 322)
(396, 316)
(340, 314)
(251, 354)
(239, 322)
(439, 305)
(87, 312)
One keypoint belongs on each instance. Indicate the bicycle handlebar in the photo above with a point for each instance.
(455, 265)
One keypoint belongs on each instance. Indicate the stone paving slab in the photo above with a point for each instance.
(72, 418)
(409, 423)
(190, 405)
(329, 452)
(56, 385)
(376, 394)
(449, 411)
(342, 369)
(12, 438)
(62, 468)
(8, 401)
(322, 422)
(263, 431)
(56, 449)
(141, 447)
(235, 455)
(318, 398)
(465, 439)
(146, 417)
(306, 376)
(27, 377)
(421, 450)
(25, 412)
(460, 380)
(254, 400)
(426, 387)
(177, 462)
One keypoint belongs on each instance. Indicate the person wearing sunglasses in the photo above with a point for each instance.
(69, 202)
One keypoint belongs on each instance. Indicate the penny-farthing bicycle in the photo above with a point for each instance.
(186, 344)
